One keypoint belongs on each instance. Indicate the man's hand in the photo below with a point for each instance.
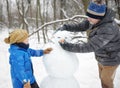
(48, 50)
(62, 41)
(62, 28)
(27, 85)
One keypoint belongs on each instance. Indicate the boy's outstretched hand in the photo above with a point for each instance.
(27, 85)
(48, 50)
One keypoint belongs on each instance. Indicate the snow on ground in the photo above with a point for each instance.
(86, 75)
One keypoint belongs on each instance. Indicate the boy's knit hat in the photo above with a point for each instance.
(96, 10)
(17, 36)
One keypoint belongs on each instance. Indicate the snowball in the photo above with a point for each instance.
(51, 82)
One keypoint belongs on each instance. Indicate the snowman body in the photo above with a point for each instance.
(60, 63)
(52, 82)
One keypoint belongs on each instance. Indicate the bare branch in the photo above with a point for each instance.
(26, 22)
(64, 13)
(22, 14)
(76, 2)
(57, 21)
(78, 37)
(117, 21)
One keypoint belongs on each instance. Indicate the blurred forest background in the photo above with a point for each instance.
(32, 14)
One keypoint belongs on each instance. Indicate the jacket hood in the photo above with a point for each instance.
(13, 48)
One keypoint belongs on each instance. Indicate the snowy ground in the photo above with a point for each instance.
(86, 75)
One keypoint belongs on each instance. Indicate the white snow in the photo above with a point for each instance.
(86, 75)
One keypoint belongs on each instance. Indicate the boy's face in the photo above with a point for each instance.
(26, 41)
(93, 21)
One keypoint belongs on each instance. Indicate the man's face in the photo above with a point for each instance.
(93, 21)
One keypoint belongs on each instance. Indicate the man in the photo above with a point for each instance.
(103, 39)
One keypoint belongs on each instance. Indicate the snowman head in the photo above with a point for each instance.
(60, 35)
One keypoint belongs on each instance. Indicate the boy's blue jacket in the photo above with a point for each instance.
(21, 65)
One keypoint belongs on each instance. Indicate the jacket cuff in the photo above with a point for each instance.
(42, 52)
(25, 81)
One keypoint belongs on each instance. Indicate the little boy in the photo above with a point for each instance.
(21, 66)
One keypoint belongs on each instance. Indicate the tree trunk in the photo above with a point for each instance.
(44, 16)
(117, 2)
(54, 10)
(118, 8)
(31, 11)
(29, 8)
(1, 11)
(85, 3)
(9, 14)
(63, 3)
(37, 18)
(106, 1)
(118, 12)
(22, 14)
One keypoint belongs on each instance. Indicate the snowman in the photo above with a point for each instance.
(60, 63)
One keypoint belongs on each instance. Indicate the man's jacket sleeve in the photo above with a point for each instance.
(98, 41)
(83, 26)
